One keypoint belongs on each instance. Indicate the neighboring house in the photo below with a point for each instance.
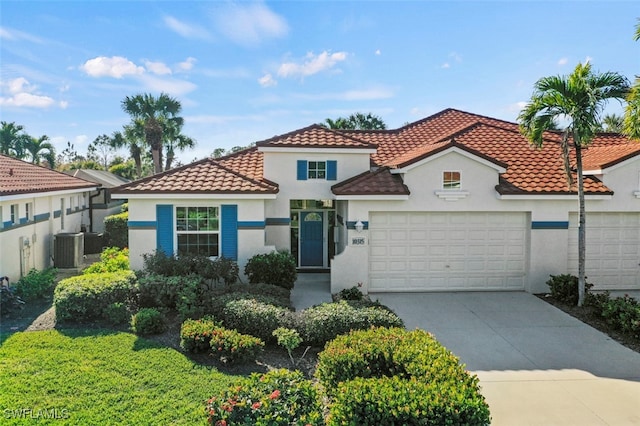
(36, 203)
(456, 201)
(100, 203)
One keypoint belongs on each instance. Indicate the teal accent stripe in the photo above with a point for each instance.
(251, 224)
(41, 217)
(352, 225)
(274, 221)
(549, 225)
(7, 224)
(57, 213)
(142, 224)
(23, 220)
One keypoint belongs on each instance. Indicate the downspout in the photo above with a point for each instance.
(91, 197)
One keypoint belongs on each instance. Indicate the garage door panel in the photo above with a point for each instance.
(448, 251)
(612, 252)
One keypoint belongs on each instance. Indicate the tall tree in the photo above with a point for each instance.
(579, 98)
(357, 121)
(131, 137)
(154, 114)
(632, 112)
(12, 139)
(613, 123)
(174, 141)
(38, 150)
(101, 150)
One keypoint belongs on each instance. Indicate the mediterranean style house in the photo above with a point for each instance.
(36, 204)
(456, 201)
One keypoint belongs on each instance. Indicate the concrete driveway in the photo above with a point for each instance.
(536, 364)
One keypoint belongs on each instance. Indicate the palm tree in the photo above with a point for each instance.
(175, 140)
(357, 121)
(39, 149)
(133, 138)
(631, 126)
(154, 115)
(579, 98)
(12, 139)
(613, 123)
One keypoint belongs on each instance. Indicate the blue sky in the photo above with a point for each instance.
(246, 71)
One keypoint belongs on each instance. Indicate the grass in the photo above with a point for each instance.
(88, 377)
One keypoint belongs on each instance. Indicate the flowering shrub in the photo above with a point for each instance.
(279, 397)
(112, 259)
(195, 335)
(233, 347)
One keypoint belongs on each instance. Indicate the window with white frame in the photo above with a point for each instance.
(317, 170)
(451, 180)
(15, 218)
(198, 230)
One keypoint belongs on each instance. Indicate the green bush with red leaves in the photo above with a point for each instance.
(233, 347)
(279, 397)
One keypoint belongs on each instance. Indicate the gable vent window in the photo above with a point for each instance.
(317, 170)
(451, 180)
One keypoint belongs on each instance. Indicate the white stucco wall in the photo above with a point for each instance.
(36, 250)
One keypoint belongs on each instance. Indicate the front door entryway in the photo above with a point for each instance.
(311, 239)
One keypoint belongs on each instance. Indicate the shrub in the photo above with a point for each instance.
(36, 284)
(233, 347)
(324, 322)
(623, 313)
(112, 259)
(288, 339)
(564, 288)
(195, 335)
(163, 291)
(255, 318)
(220, 270)
(86, 297)
(116, 313)
(148, 321)
(116, 230)
(396, 401)
(279, 397)
(352, 293)
(277, 268)
(394, 376)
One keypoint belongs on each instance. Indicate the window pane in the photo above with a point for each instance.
(322, 165)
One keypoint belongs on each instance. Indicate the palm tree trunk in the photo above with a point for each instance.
(582, 234)
(153, 134)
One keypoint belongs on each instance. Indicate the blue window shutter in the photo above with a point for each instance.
(229, 231)
(164, 228)
(302, 169)
(332, 170)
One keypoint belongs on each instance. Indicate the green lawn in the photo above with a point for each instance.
(100, 377)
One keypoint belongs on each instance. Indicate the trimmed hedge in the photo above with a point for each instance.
(163, 291)
(220, 270)
(394, 376)
(277, 268)
(277, 398)
(116, 230)
(195, 335)
(324, 322)
(252, 317)
(112, 259)
(148, 321)
(36, 284)
(86, 297)
(233, 347)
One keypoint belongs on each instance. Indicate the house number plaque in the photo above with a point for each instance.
(358, 241)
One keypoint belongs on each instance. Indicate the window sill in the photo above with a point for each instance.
(451, 195)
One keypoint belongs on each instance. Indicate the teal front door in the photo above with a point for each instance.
(311, 239)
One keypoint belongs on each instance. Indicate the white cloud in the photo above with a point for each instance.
(516, 107)
(312, 64)
(351, 95)
(63, 104)
(453, 57)
(22, 94)
(81, 139)
(445, 65)
(15, 35)
(172, 86)
(563, 61)
(267, 80)
(588, 59)
(115, 66)
(158, 68)
(185, 30)
(187, 64)
(378, 53)
(250, 24)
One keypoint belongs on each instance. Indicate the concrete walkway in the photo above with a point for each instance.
(536, 364)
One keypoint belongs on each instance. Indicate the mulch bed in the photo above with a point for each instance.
(588, 315)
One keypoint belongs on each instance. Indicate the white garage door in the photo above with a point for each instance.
(613, 250)
(447, 251)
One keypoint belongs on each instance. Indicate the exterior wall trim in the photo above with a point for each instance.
(549, 225)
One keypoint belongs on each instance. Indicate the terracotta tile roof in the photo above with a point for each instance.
(601, 156)
(315, 136)
(20, 177)
(379, 182)
(209, 176)
(248, 162)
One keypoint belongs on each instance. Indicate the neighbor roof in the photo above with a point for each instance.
(529, 170)
(104, 178)
(20, 177)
